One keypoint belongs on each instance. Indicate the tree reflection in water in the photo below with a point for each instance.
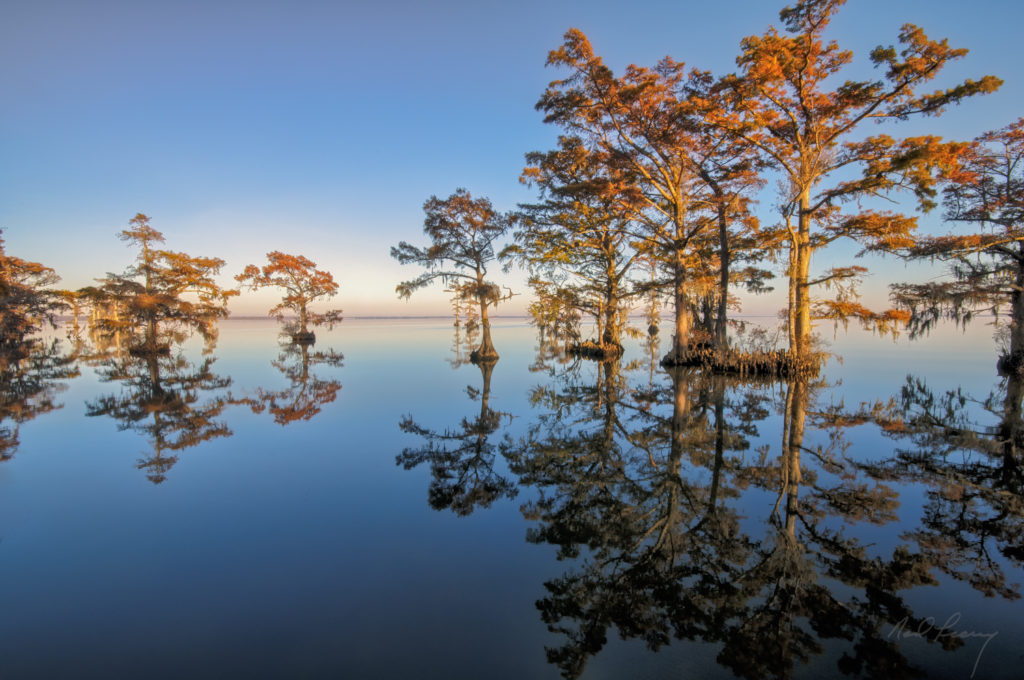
(462, 460)
(307, 393)
(651, 492)
(973, 523)
(173, 402)
(680, 523)
(31, 374)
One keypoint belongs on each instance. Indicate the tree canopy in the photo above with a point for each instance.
(463, 233)
(789, 103)
(25, 302)
(302, 283)
(986, 265)
(164, 295)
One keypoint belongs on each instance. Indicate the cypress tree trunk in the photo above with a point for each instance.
(150, 342)
(303, 336)
(610, 338)
(485, 352)
(681, 339)
(801, 315)
(791, 309)
(1013, 362)
(721, 331)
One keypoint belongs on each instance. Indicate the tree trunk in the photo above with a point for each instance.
(791, 308)
(485, 352)
(610, 338)
(1013, 362)
(304, 336)
(150, 341)
(721, 330)
(802, 311)
(681, 339)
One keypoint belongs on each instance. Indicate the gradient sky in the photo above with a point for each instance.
(320, 128)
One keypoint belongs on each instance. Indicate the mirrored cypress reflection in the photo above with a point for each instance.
(679, 532)
(307, 392)
(967, 453)
(552, 351)
(32, 373)
(464, 468)
(464, 336)
(93, 340)
(175, 403)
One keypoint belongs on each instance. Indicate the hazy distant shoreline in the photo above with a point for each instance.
(239, 317)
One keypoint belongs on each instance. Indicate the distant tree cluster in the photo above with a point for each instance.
(649, 193)
(132, 323)
(160, 299)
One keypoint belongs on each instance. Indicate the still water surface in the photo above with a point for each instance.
(377, 509)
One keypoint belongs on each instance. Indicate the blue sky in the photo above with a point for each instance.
(320, 128)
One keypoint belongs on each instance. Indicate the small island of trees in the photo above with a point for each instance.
(302, 283)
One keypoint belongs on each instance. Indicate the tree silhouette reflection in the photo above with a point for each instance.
(651, 494)
(307, 394)
(174, 403)
(973, 520)
(462, 460)
(31, 374)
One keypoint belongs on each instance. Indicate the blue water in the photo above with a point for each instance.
(304, 550)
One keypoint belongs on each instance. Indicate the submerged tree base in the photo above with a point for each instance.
(304, 338)
(593, 350)
(775, 363)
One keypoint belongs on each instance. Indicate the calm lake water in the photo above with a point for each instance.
(375, 509)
